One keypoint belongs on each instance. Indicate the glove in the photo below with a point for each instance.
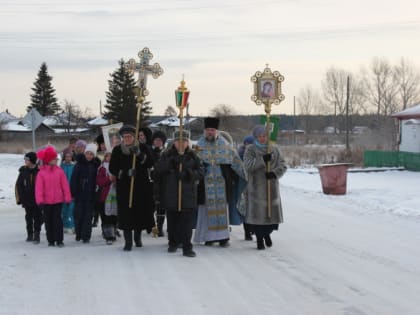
(131, 172)
(182, 175)
(270, 175)
(135, 150)
(267, 157)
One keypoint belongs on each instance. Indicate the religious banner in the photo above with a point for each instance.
(111, 135)
(273, 127)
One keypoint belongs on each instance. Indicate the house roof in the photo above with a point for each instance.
(172, 122)
(412, 112)
(5, 117)
(18, 126)
(98, 121)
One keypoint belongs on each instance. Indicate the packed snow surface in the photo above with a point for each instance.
(353, 254)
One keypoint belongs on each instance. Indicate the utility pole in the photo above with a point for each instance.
(294, 120)
(347, 113)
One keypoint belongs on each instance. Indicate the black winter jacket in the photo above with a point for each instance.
(25, 187)
(83, 179)
(167, 175)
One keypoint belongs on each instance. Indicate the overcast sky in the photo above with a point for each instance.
(218, 45)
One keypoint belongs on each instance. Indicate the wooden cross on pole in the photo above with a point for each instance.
(144, 68)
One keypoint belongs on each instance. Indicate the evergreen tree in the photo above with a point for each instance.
(121, 98)
(43, 99)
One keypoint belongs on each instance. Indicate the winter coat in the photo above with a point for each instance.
(83, 180)
(51, 186)
(104, 183)
(257, 185)
(25, 186)
(140, 215)
(68, 169)
(166, 179)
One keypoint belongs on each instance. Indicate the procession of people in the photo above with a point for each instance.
(201, 190)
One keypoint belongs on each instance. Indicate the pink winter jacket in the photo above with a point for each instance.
(51, 186)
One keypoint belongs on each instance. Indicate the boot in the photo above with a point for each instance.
(30, 237)
(247, 232)
(260, 243)
(248, 236)
(189, 253)
(224, 243)
(267, 240)
(36, 238)
(128, 237)
(160, 228)
(137, 238)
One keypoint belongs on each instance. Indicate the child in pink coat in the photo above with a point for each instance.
(51, 191)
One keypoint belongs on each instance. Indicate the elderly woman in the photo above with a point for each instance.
(139, 216)
(256, 158)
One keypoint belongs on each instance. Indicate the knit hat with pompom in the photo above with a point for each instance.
(47, 155)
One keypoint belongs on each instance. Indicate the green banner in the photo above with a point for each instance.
(274, 126)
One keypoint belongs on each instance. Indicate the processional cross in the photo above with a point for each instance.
(144, 68)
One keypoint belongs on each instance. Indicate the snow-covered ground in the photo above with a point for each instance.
(352, 254)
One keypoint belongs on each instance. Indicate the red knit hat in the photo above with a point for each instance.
(47, 155)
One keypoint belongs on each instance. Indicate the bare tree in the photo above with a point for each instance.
(334, 88)
(308, 102)
(222, 110)
(408, 80)
(170, 111)
(73, 114)
(228, 121)
(381, 87)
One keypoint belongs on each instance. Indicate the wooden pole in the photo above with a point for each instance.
(268, 166)
(180, 152)
(133, 164)
(181, 99)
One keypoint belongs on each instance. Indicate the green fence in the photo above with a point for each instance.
(410, 161)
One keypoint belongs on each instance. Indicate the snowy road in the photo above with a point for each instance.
(353, 254)
(324, 261)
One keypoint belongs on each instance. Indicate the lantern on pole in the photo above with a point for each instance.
(181, 99)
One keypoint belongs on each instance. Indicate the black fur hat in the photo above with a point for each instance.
(211, 122)
(31, 156)
(148, 134)
(159, 134)
(128, 129)
(100, 139)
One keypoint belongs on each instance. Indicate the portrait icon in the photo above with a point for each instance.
(267, 88)
(111, 135)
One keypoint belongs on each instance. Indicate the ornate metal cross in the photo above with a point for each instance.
(144, 68)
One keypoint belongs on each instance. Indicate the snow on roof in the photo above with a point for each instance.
(61, 130)
(5, 117)
(98, 121)
(52, 121)
(15, 125)
(412, 112)
(172, 122)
